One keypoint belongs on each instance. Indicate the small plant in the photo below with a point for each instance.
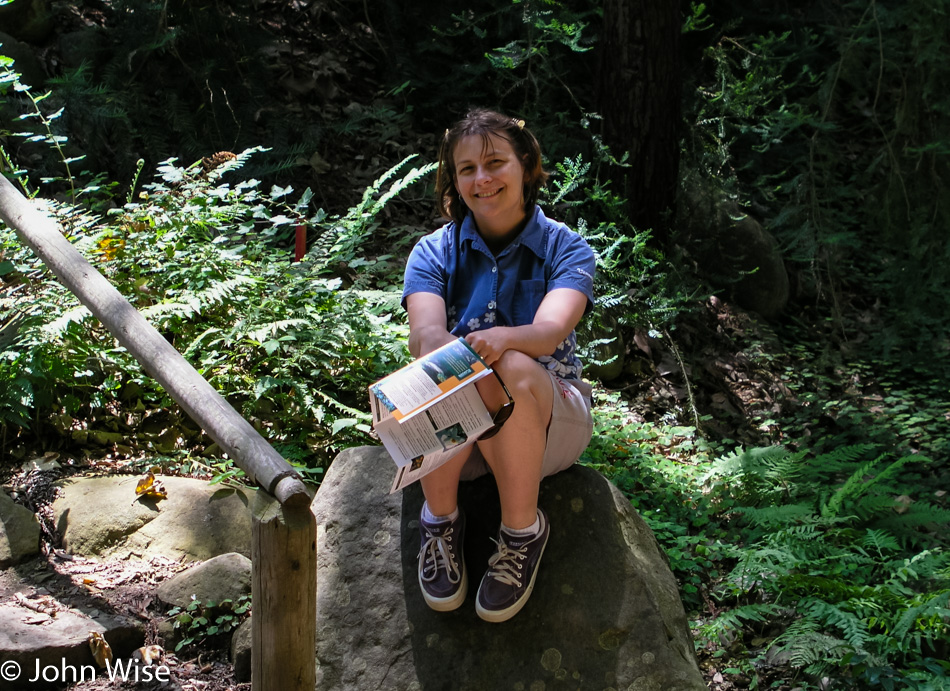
(199, 622)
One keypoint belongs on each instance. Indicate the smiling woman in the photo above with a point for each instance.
(489, 178)
(514, 284)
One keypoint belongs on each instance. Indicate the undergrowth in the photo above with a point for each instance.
(823, 559)
(287, 343)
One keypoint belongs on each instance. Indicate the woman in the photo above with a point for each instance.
(514, 284)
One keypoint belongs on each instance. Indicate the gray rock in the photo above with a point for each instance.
(25, 61)
(730, 248)
(61, 644)
(19, 532)
(27, 20)
(225, 577)
(605, 613)
(102, 517)
(241, 652)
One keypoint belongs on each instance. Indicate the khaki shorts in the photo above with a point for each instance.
(569, 432)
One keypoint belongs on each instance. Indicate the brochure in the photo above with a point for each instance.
(428, 411)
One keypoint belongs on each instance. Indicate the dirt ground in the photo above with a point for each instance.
(56, 582)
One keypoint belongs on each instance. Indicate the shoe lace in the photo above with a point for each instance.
(504, 564)
(439, 554)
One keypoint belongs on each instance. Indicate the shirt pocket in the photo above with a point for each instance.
(527, 300)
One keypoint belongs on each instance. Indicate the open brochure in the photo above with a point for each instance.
(426, 412)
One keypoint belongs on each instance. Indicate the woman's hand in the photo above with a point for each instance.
(489, 343)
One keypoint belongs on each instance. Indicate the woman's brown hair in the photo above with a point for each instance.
(484, 122)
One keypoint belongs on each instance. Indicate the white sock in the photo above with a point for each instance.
(532, 529)
(430, 517)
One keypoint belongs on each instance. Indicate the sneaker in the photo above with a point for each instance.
(512, 570)
(442, 575)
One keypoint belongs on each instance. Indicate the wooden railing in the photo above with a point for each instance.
(284, 541)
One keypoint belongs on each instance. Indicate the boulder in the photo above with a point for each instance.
(25, 61)
(19, 532)
(241, 651)
(731, 249)
(605, 613)
(27, 20)
(225, 577)
(58, 645)
(102, 516)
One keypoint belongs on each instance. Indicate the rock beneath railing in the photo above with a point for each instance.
(605, 613)
(101, 516)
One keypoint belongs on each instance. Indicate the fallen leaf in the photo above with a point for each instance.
(99, 646)
(149, 487)
(148, 654)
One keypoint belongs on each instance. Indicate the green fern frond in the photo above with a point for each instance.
(352, 412)
(814, 650)
(235, 163)
(56, 329)
(929, 617)
(192, 303)
(880, 541)
(853, 629)
(862, 480)
(777, 516)
(737, 618)
(275, 328)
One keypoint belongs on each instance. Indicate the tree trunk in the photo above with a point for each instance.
(640, 100)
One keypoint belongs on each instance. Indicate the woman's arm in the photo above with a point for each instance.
(428, 328)
(559, 312)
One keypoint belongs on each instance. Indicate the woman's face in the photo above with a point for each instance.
(489, 177)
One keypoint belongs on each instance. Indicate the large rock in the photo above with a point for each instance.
(225, 577)
(58, 645)
(102, 517)
(19, 532)
(605, 613)
(731, 249)
(25, 61)
(27, 20)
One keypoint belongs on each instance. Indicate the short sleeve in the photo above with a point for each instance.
(573, 264)
(425, 270)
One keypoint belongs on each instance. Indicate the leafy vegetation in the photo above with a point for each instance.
(795, 472)
(199, 620)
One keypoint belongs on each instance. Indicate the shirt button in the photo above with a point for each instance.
(491, 305)
(494, 269)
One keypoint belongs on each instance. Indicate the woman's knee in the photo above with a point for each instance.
(524, 376)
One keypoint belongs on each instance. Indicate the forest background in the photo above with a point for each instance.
(765, 185)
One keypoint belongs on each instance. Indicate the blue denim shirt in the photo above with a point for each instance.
(481, 290)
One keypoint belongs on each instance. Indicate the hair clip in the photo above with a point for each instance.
(520, 124)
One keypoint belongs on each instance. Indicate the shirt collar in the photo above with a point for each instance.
(533, 236)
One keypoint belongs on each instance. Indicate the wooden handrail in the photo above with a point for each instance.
(284, 542)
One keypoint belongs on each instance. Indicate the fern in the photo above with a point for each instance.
(56, 329)
(736, 618)
(852, 629)
(859, 485)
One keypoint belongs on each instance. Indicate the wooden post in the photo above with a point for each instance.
(284, 597)
(284, 550)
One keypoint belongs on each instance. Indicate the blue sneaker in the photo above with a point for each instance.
(442, 575)
(512, 570)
